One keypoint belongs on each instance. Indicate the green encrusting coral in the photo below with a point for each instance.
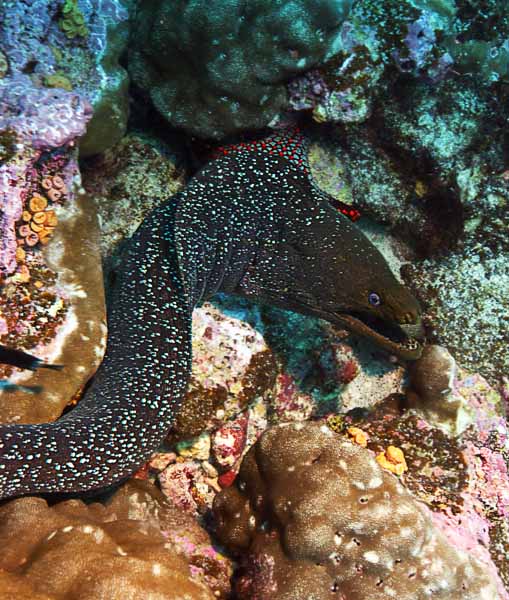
(58, 80)
(8, 139)
(72, 22)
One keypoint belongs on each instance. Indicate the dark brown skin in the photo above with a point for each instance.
(331, 270)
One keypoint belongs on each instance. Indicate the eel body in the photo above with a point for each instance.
(251, 223)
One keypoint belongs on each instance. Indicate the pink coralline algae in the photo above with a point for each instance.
(229, 441)
(491, 478)
(290, 403)
(179, 483)
(232, 366)
(483, 523)
(201, 557)
(11, 208)
(223, 347)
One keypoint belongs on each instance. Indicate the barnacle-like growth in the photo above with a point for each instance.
(320, 519)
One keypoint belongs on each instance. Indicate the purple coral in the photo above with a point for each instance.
(420, 43)
(44, 118)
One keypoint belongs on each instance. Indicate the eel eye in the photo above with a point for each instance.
(374, 299)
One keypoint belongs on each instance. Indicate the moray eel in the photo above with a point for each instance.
(251, 223)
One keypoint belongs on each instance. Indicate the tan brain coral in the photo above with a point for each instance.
(93, 552)
(318, 519)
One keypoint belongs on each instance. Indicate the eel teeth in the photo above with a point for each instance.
(410, 344)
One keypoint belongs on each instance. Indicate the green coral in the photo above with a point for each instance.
(58, 80)
(72, 22)
(8, 139)
(4, 64)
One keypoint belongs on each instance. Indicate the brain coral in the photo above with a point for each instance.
(319, 520)
(214, 67)
(122, 551)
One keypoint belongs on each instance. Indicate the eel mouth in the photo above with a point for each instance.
(399, 339)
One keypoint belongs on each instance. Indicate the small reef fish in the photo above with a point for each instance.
(7, 386)
(251, 223)
(22, 360)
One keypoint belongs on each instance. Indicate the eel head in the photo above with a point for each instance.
(322, 265)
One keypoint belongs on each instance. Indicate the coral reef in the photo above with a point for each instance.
(409, 100)
(217, 68)
(428, 41)
(55, 304)
(320, 519)
(335, 370)
(230, 355)
(52, 300)
(139, 545)
(372, 41)
(431, 386)
(420, 90)
(448, 204)
(224, 410)
(42, 118)
(81, 42)
(464, 294)
(462, 477)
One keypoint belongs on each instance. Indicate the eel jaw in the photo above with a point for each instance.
(408, 349)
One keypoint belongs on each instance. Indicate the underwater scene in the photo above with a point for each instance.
(254, 299)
